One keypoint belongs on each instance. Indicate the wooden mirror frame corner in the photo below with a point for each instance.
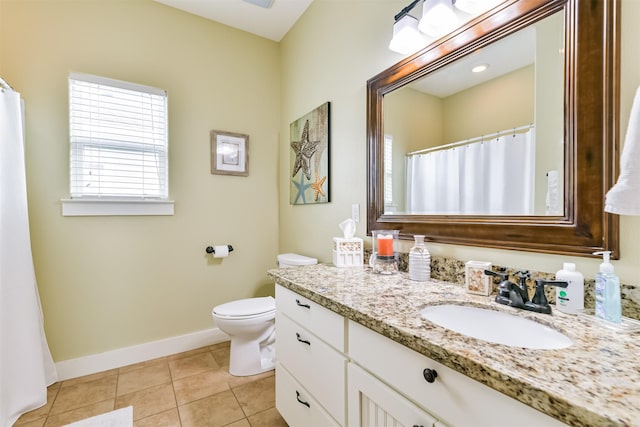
(592, 39)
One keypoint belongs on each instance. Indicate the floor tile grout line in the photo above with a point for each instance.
(175, 397)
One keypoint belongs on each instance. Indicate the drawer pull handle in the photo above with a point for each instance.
(302, 305)
(430, 375)
(302, 401)
(416, 425)
(301, 340)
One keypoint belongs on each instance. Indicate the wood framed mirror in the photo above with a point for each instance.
(589, 132)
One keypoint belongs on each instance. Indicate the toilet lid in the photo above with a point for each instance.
(246, 307)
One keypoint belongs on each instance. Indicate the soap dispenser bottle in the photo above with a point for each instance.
(570, 299)
(419, 260)
(608, 304)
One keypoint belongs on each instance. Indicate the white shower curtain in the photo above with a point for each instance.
(26, 366)
(492, 177)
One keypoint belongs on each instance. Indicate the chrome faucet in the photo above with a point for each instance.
(518, 295)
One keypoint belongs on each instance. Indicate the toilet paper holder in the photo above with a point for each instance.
(211, 250)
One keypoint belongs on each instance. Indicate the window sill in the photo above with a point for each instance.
(102, 207)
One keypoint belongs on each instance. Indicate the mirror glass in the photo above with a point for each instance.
(482, 141)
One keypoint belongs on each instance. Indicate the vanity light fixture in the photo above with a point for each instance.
(438, 18)
(474, 7)
(480, 68)
(407, 38)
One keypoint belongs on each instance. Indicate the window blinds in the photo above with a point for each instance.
(119, 143)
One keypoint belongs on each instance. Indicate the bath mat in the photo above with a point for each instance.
(119, 418)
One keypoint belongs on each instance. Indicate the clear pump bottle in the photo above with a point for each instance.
(419, 260)
(608, 303)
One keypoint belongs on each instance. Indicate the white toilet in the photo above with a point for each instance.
(250, 323)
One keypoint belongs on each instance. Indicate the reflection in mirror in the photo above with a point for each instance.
(459, 142)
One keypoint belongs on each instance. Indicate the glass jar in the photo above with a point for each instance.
(384, 256)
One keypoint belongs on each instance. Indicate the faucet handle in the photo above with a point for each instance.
(540, 298)
(503, 275)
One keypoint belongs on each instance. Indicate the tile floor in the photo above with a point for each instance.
(191, 389)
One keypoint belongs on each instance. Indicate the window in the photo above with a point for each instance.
(119, 142)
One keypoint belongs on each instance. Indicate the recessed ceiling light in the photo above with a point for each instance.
(480, 68)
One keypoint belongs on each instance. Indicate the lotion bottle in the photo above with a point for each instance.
(570, 299)
(608, 304)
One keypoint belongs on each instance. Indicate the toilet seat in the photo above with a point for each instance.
(248, 308)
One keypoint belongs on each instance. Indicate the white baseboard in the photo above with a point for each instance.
(94, 363)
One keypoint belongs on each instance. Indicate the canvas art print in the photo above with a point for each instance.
(309, 164)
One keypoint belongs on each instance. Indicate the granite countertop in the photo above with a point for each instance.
(595, 382)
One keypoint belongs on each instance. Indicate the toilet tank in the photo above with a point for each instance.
(293, 260)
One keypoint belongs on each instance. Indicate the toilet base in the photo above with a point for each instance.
(251, 357)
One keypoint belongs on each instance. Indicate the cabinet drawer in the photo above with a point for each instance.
(454, 398)
(320, 368)
(296, 405)
(324, 323)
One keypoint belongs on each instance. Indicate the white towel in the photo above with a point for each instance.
(624, 197)
(119, 418)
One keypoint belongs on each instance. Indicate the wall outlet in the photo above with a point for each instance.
(355, 212)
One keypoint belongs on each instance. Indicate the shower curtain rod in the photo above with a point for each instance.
(470, 140)
(4, 84)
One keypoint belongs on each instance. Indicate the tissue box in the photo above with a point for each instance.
(476, 281)
(347, 252)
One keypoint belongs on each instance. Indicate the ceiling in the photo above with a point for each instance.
(272, 23)
(504, 56)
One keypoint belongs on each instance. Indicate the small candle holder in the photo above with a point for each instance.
(384, 256)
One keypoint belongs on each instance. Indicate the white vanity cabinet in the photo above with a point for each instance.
(453, 398)
(311, 368)
(334, 372)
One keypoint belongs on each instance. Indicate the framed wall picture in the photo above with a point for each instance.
(229, 153)
(309, 159)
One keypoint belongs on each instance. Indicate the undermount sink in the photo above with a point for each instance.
(496, 327)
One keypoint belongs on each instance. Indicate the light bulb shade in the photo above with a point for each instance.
(475, 7)
(406, 36)
(624, 197)
(438, 18)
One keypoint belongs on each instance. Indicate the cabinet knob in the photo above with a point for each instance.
(430, 375)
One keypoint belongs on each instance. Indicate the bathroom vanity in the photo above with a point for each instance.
(353, 350)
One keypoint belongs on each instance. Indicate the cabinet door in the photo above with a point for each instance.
(372, 404)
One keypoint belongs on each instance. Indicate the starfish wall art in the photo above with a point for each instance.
(310, 157)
